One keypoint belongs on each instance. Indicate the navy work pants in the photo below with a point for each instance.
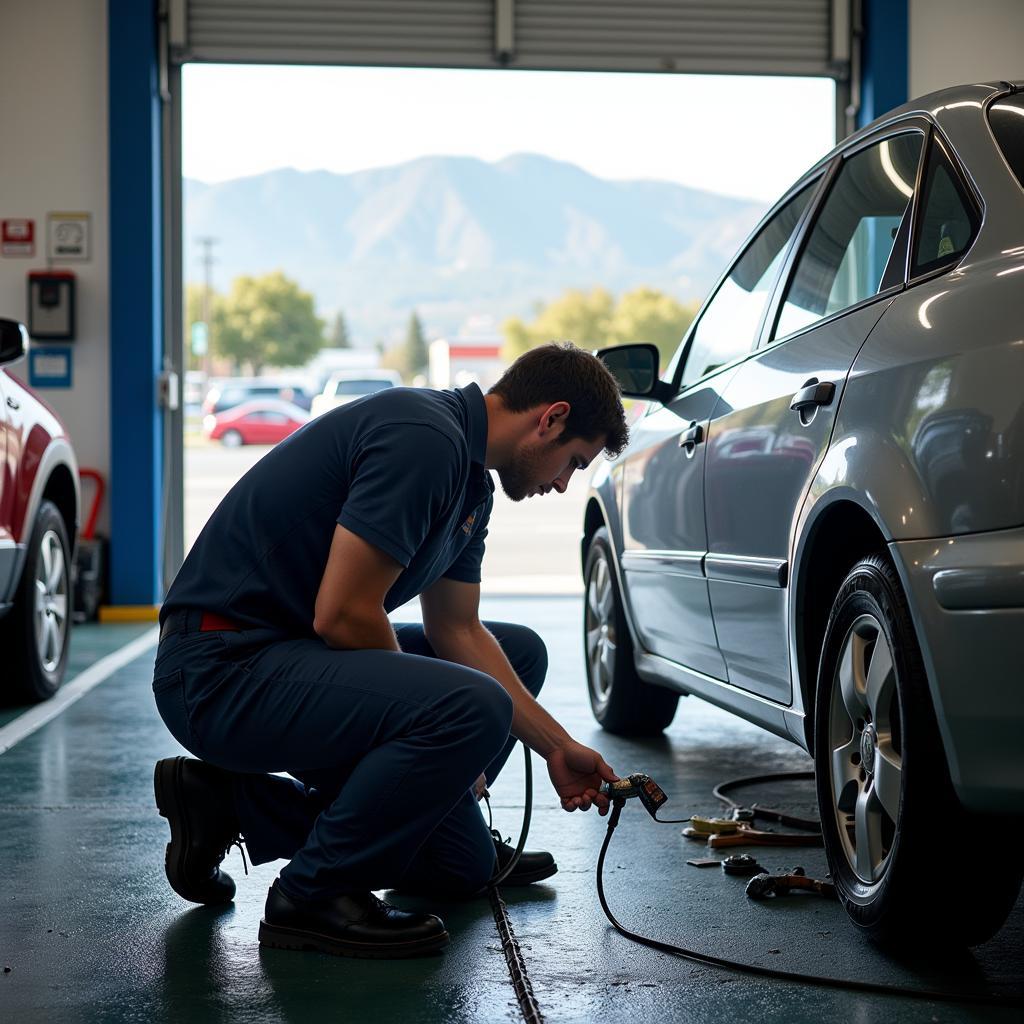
(382, 748)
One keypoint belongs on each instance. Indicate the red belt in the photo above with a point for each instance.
(211, 623)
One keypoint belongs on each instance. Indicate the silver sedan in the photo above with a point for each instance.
(819, 521)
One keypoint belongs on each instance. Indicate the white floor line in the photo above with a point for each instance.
(26, 724)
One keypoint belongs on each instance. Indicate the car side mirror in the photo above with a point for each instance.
(13, 341)
(635, 367)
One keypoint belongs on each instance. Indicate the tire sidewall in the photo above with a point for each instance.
(600, 548)
(36, 682)
(871, 588)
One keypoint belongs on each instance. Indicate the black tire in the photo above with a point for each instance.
(35, 675)
(887, 829)
(621, 701)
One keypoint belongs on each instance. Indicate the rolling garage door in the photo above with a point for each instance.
(772, 37)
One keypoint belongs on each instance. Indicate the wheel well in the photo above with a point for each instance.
(593, 520)
(842, 537)
(60, 489)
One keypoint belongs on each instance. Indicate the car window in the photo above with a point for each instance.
(849, 247)
(361, 387)
(1007, 120)
(728, 325)
(948, 219)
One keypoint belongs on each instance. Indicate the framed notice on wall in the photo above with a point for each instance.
(18, 237)
(68, 236)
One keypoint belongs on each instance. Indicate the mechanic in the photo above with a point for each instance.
(277, 656)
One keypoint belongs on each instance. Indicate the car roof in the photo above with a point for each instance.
(291, 410)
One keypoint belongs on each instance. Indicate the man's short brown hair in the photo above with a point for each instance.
(561, 372)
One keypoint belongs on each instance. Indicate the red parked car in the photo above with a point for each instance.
(261, 421)
(39, 503)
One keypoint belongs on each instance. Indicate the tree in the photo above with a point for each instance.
(594, 319)
(417, 358)
(645, 314)
(339, 332)
(267, 321)
(580, 317)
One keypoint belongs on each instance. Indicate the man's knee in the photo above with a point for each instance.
(485, 708)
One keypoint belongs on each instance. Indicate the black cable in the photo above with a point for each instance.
(770, 972)
(768, 813)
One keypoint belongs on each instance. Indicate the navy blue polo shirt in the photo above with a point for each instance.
(403, 469)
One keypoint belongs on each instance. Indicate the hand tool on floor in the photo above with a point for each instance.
(721, 832)
(766, 886)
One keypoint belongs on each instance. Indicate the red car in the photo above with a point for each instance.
(39, 503)
(261, 421)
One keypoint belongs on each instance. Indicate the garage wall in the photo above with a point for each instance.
(952, 42)
(53, 157)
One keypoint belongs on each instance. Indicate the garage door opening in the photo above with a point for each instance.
(346, 229)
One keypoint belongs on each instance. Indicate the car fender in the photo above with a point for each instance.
(42, 455)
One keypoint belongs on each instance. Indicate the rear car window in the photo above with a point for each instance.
(1007, 120)
(361, 387)
(948, 219)
(856, 234)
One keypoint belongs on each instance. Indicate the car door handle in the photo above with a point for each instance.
(690, 438)
(813, 394)
(12, 403)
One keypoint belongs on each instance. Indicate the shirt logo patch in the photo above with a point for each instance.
(467, 526)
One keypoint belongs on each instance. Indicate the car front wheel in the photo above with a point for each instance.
(888, 809)
(232, 439)
(621, 701)
(34, 634)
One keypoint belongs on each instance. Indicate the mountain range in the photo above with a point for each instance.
(455, 237)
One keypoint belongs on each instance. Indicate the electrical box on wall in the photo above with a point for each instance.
(51, 305)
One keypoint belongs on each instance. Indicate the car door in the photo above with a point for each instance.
(664, 531)
(774, 422)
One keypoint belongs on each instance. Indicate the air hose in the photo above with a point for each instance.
(618, 802)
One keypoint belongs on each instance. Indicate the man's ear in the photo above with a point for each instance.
(552, 419)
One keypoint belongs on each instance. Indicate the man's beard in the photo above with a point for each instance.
(519, 477)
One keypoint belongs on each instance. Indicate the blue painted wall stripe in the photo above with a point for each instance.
(884, 58)
(136, 301)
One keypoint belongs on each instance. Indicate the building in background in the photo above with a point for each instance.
(474, 354)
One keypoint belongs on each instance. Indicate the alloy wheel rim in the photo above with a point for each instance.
(866, 744)
(51, 601)
(599, 626)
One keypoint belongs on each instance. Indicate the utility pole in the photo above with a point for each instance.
(207, 243)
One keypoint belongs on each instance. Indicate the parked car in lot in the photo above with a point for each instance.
(260, 421)
(39, 507)
(346, 386)
(226, 393)
(818, 523)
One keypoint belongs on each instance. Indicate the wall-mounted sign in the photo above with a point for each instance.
(49, 367)
(18, 237)
(67, 236)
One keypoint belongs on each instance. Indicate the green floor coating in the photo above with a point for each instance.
(91, 932)
(89, 642)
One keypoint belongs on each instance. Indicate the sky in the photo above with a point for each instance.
(734, 135)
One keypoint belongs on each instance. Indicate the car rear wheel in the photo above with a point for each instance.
(888, 809)
(621, 701)
(34, 634)
(232, 439)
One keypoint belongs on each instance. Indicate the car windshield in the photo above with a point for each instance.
(1007, 120)
(363, 386)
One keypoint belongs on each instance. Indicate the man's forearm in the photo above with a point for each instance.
(476, 648)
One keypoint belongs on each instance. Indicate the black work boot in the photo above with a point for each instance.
(196, 799)
(531, 866)
(352, 925)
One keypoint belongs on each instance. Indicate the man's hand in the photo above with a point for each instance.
(576, 773)
(480, 788)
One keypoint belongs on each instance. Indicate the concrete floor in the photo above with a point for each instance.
(91, 932)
